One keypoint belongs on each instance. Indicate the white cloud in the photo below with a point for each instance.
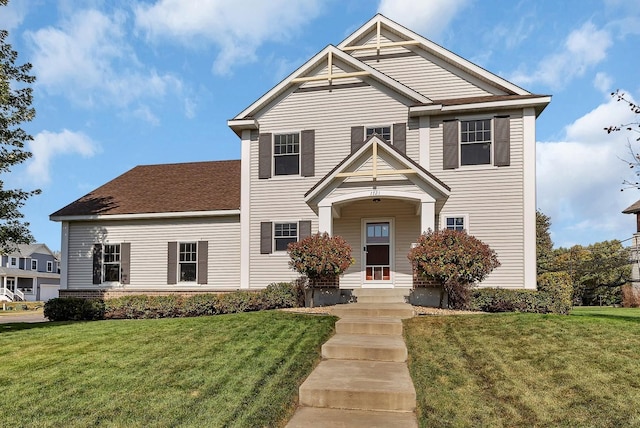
(603, 82)
(144, 113)
(12, 15)
(579, 179)
(583, 48)
(48, 145)
(88, 59)
(238, 28)
(428, 18)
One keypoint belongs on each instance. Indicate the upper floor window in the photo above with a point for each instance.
(284, 233)
(286, 154)
(50, 266)
(34, 264)
(110, 263)
(382, 131)
(13, 262)
(455, 223)
(475, 142)
(187, 261)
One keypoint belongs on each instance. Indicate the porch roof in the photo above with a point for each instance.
(430, 179)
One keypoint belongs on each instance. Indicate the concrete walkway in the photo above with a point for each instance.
(363, 379)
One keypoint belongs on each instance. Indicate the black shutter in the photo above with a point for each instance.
(125, 263)
(304, 229)
(172, 263)
(450, 144)
(264, 156)
(203, 258)
(400, 136)
(357, 137)
(97, 263)
(307, 152)
(266, 237)
(502, 141)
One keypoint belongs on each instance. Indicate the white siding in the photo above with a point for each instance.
(149, 240)
(493, 199)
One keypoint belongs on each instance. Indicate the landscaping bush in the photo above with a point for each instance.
(559, 287)
(454, 260)
(320, 256)
(283, 295)
(74, 309)
(201, 305)
(509, 300)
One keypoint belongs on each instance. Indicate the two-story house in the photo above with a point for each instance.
(377, 139)
(29, 273)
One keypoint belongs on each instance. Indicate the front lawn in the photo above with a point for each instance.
(523, 370)
(240, 370)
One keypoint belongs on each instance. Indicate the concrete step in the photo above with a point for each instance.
(396, 310)
(381, 295)
(363, 385)
(365, 347)
(306, 417)
(369, 325)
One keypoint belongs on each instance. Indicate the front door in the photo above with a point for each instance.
(377, 253)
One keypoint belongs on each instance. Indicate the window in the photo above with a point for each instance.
(187, 261)
(455, 223)
(13, 262)
(382, 131)
(34, 264)
(110, 263)
(286, 154)
(284, 233)
(475, 142)
(50, 264)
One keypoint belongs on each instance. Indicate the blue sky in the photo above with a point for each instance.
(125, 83)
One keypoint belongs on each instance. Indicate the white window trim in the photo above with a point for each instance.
(380, 126)
(195, 281)
(104, 281)
(492, 143)
(444, 217)
(49, 266)
(273, 235)
(34, 261)
(13, 262)
(273, 155)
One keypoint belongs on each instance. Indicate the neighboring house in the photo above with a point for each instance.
(378, 139)
(31, 272)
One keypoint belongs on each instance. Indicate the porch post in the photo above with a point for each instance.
(325, 219)
(427, 216)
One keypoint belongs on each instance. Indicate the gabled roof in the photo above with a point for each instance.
(433, 48)
(633, 208)
(402, 158)
(26, 250)
(317, 60)
(168, 188)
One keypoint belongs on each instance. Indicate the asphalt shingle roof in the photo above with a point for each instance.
(178, 187)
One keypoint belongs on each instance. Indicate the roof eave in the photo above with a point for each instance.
(239, 125)
(145, 216)
(538, 103)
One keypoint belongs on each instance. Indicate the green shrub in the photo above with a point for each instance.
(74, 309)
(559, 288)
(201, 305)
(283, 295)
(240, 301)
(509, 300)
(143, 306)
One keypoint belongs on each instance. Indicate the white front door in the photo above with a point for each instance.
(378, 253)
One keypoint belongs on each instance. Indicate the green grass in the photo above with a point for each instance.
(523, 370)
(240, 370)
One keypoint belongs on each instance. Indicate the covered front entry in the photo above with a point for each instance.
(379, 201)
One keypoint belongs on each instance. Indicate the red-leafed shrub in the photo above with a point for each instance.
(455, 260)
(320, 256)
